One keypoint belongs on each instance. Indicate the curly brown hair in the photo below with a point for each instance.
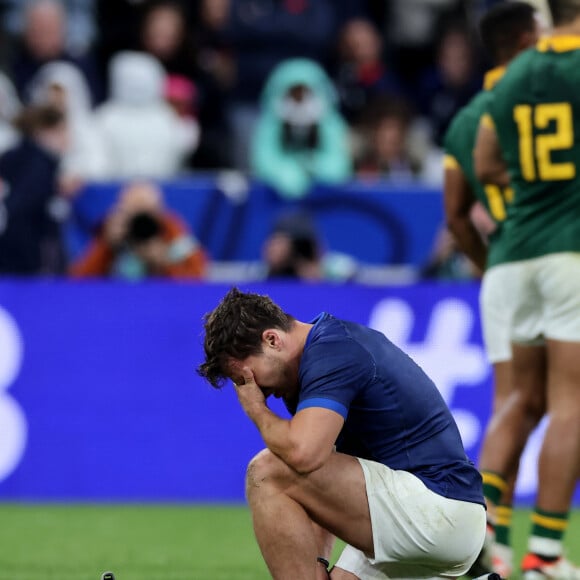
(233, 330)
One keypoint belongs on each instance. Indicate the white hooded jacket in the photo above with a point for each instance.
(143, 135)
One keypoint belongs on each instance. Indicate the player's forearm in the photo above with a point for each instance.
(279, 439)
(275, 432)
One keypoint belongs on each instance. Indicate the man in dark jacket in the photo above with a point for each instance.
(29, 238)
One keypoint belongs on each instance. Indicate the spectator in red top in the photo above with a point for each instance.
(140, 238)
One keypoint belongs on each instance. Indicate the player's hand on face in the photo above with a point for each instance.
(249, 393)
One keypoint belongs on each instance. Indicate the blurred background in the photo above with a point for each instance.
(154, 153)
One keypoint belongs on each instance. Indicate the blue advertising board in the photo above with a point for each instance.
(378, 223)
(100, 400)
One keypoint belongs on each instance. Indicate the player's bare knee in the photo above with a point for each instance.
(533, 407)
(264, 469)
(528, 404)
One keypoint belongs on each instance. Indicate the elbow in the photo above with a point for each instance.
(304, 460)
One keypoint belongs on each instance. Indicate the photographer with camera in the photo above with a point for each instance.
(139, 239)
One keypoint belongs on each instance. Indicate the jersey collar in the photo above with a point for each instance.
(558, 43)
(492, 77)
(315, 322)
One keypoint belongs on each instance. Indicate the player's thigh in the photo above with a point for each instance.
(334, 495)
(495, 316)
(558, 278)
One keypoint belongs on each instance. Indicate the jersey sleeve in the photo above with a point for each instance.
(450, 162)
(333, 374)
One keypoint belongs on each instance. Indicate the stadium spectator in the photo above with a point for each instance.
(9, 107)
(119, 23)
(295, 250)
(387, 146)
(30, 242)
(44, 40)
(216, 76)
(300, 139)
(292, 250)
(142, 134)
(140, 238)
(81, 29)
(167, 35)
(164, 34)
(360, 75)
(264, 35)
(61, 85)
(451, 82)
(216, 49)
(410, 29)
(371, 453)
(527, 139)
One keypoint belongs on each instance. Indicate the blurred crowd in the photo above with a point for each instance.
(292, 92)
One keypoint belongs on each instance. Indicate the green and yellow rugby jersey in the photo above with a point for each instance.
(536, 113)
(459, 142)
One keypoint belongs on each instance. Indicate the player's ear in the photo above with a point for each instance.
(271, 338)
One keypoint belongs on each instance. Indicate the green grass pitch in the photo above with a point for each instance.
(149, 542)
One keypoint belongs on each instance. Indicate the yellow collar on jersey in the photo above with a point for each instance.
(492, 77)
(558, 43)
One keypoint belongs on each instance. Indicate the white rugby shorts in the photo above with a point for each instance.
(416, 532)
(495, 318)
(542, 297)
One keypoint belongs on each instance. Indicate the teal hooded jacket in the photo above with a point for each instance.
(292, 172)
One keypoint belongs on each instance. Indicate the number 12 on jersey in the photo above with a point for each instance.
(536, 149)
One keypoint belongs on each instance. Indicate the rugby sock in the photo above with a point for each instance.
(548, 529)
(494, 485)
(503, 522)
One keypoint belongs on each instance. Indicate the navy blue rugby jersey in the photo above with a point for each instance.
(393, 412)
